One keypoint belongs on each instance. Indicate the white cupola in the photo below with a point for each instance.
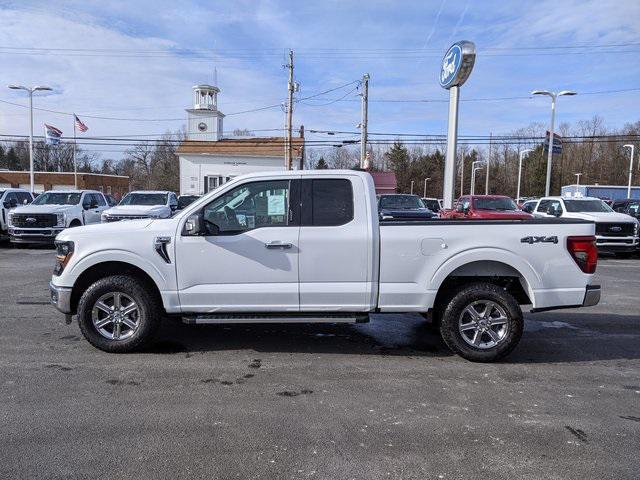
(204, 119)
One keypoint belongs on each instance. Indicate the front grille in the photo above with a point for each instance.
(35, 220)
(614, 229)
(117, 218)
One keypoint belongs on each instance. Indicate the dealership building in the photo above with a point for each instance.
(208, 159)
(606, 192)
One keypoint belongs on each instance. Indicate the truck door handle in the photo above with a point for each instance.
(277, 244)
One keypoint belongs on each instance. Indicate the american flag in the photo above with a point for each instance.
(79, 125)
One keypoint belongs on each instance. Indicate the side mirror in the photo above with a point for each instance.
(194, 226)
(173, 207)
(459, 208)
(6, 205)
(554, 210)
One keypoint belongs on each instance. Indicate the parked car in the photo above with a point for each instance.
(111, 201)
(308, 247)
(143, 204)
(184, 200)
(485, 207)
(615, 232)
(630, 206)
(433, 204)
(403, 206)
(53, 211)
(11, 198)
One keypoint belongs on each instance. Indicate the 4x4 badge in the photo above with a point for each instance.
(532, 240)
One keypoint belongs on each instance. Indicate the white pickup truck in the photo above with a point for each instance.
(615, 232)
(143, 204)
(53, 211)
(307, 246)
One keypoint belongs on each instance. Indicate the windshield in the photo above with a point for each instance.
(587, 206)
(144, 199)
(57, 198)
(495, 204)
(401, 202)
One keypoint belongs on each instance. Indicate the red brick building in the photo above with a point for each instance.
(116, 185)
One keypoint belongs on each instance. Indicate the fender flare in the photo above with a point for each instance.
(531, 278)
(116, 255)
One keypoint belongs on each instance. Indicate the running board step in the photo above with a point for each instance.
(217, 318)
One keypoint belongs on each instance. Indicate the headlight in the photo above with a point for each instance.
(104, 217)
(10, 219)
(64, 251)
(636, 229)
(60, 220)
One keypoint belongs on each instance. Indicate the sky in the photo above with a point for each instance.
(135, 62)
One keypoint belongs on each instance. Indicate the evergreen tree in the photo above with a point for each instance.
(12, 160)
(321, 165)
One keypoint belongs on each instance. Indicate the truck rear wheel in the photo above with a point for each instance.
(118, 314)
(482, 322)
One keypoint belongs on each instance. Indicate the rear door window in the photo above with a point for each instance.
(327, 202)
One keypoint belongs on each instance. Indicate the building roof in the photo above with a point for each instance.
(250, 147)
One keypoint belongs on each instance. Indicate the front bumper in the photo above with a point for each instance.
(60, 298)
(616, 244)
(33, 235)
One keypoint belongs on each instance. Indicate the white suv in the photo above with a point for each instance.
(143, 204)
(615, 232)
(52, 212)
(11, 198)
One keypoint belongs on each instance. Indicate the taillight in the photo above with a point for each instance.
(584, 252)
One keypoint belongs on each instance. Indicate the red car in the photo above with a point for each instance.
(487, 207)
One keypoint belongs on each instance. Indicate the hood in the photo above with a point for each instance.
(503, 214)
(604, 217)
(137, 210)
(99, 229)
(407, 212)
(44, 208)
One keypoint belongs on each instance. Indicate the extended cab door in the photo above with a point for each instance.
(336, 245)
(246, 260)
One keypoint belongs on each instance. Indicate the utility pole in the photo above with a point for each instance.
(290, 87)
(363, 124)
(424, 193)
(631, 147)
(486, 181)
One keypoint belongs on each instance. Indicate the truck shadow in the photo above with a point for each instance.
(554, 337)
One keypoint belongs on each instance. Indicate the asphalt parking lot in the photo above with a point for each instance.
(378, 400)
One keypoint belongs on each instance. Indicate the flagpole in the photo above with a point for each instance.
(75, 172)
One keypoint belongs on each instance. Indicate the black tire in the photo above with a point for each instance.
(75, 223)
(453, 313)
(148, 317)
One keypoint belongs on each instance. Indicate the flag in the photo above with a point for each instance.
(79, 125)
(52, 134)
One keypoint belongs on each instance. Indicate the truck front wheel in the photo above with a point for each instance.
(482, 322)
(118, 314)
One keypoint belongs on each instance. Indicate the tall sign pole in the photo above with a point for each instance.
(456, 68)
(363, 124)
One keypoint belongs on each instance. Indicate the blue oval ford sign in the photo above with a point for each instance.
(457, 64)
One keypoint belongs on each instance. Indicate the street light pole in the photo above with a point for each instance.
(30, 90)
(630, 169)
(522, 154)
(473, 175)
(424, 194)
(554, 96)
(411, 187)
(577, 182)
